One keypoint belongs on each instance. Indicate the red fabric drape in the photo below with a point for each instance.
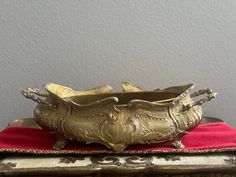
(204, 138)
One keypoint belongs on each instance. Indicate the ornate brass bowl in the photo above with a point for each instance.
(116, 120)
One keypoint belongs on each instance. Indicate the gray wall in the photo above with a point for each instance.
(84, 44)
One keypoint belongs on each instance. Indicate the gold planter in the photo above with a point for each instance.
(116, 120)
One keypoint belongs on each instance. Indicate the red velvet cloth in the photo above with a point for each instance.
(215, 137)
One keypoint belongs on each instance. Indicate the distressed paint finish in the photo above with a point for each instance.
(179, 165)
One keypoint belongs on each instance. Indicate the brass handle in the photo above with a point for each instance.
(210, 95)
(33, 93)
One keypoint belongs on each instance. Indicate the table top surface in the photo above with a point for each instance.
(88, 165)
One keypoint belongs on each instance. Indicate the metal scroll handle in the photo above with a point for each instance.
(210, 95)
(33, 93)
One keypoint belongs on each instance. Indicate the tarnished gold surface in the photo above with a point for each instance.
(134, 116)
(30, 122)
